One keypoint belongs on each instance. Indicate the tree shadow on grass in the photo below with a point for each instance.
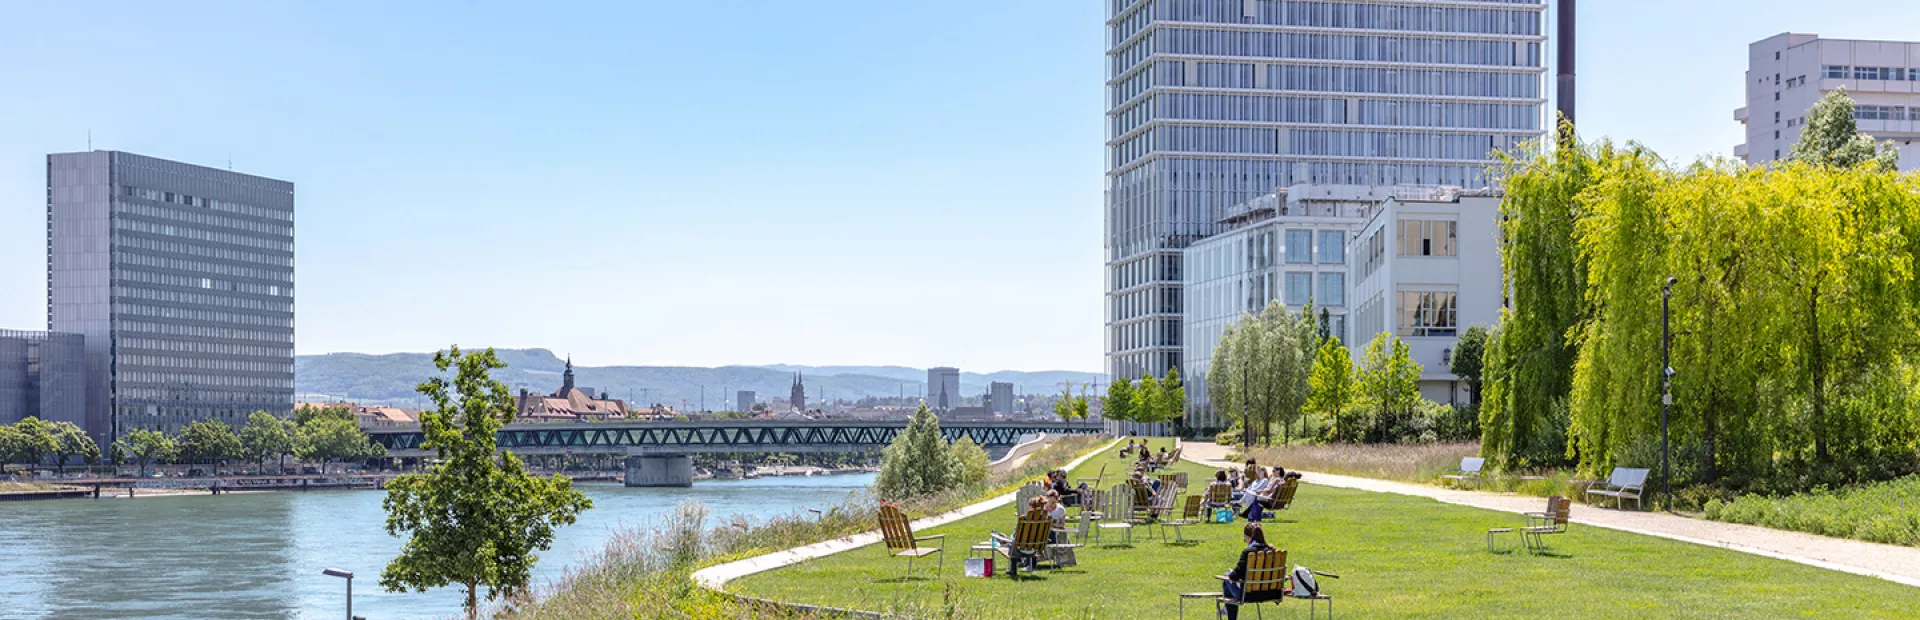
(905, 579)
(1191, 542)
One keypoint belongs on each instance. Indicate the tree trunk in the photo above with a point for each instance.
(473, 602)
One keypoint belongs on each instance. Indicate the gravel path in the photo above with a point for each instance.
(1897, 564)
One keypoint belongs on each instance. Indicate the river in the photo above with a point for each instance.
(259, 555)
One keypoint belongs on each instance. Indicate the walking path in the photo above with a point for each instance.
(1896, 564)
(714, 577)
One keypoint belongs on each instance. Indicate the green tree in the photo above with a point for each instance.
(70, 441)
(1118, 404)
(1070, 407)
(1469, 358)
(1389, 385)
(328, 439)
(1332, 390)
(970, 461)
(476, 518)
(1258, 376)
(306, 414)
(1832, 138)
(1148, 400)
(1175, 401)
(34, 441)
(918, 461)
(265, 437)
(208, 441)
(145, 446)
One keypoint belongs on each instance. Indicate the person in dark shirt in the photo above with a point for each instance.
(1057, 482)
(1234, 585)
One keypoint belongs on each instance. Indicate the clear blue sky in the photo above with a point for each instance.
(700, 183)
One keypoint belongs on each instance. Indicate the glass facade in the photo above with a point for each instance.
(42, 375)
(1213, 103)
(181, 279)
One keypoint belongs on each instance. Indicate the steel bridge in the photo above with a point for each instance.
(729, 436)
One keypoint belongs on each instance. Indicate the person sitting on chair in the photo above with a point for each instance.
(1165, 458)
(1233, 586)
(1057, 484)
(1219, 479)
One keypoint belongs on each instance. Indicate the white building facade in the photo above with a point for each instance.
(1788, 73)
(1425, 270)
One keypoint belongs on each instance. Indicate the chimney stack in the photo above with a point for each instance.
(1563, 40)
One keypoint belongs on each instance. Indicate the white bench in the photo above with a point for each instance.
(1469, 470)
(1625, 483)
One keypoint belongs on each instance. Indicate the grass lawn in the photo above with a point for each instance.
(1398, 556)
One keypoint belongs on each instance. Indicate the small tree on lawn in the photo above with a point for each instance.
(1148, 400)
(970, 461)
(1390, 385)
(476, 518)
(265, 437)
(70, 441)
(1332, 393)
(1118, 405)
(1468, 361)
(207, 440)
(1174, 397)
(145, 446)
(917, 462)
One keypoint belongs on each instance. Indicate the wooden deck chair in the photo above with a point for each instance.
(1542, 524)
(1168, 480)
(897, 530)
(1079, 536)
(1189, 515)
(1118, 512)
(1267, 580)
(1283, 498)
(1094, 482)
(1220, 495)
(1029, 542)
(1092, 507)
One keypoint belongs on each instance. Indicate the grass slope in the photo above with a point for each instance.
(1399, 556)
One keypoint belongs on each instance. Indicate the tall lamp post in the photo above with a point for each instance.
(1666, 389)
(335, 572)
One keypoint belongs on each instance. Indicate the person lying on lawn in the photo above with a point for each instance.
(1234, 587)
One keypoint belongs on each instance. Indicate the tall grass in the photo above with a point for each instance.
(1883, 512)
(1400, 462)
(645, 572)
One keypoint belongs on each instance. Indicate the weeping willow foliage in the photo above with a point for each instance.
(1794, 317)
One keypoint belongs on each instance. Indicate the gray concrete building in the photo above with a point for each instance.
(180, 279)
(1000, 397)
(743, 400)
(943, 388)
(1788, 73)
(42, 375)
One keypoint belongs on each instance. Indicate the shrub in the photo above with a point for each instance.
(918, 462)
(1882, 512)
(971, 461)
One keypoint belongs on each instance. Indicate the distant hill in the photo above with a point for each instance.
(389, 379)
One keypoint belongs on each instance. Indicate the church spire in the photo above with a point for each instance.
(566, 379)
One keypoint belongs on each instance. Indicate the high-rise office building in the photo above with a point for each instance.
(1000, 397)
(180, 279)
(42, 376)
(1788, 73)
(943, 388)
(1213, 103)
(743, 400)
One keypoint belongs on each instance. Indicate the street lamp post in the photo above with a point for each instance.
(335, 572)
(1666, 389)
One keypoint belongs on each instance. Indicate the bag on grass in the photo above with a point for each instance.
(1303, 584)
(1223, 515)
(979, 567)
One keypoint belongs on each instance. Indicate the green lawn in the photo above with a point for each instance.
(1398, 556)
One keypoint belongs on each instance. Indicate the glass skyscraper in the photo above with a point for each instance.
(180, 279)
(1212, 103)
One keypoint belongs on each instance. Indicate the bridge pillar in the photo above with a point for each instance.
(659, 471)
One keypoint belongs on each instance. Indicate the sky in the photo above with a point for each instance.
(701, 183)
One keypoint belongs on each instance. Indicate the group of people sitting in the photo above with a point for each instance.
(1144, 456)
(1252, 489)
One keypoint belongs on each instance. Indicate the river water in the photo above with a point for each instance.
(259, 555)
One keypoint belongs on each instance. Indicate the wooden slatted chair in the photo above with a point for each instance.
(1119, 511)
(1220, 495)
(1267, 580)
(1031, 541)
(897, 530)
(1283, 498)
(1542, 524)
(1025, 495)
(1189, 515)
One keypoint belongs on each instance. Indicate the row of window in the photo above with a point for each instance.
(1327, 110)
(1376, 48)
(229, 206)
(1152, 300)
(198, 299)
(1885, 113)
(1163, 268)
(219, 269)
(204, 385)
(1159, 333)
(1300, 246)
(224, 332)
(205, 284)
(1842, 72)
(201, 347)
(202, 218)
(1321, 143)
(224, 364)
(1364, 16)
(1300, 291)
(201, 249)
(195, 314)
(250, 241)
(1429, 238)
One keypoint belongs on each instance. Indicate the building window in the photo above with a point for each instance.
(1837, 72)
(1427, 313)
(1299, 288)
(1333, 289)
(1299, 246)
(1333, 247)
(1427, 238)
